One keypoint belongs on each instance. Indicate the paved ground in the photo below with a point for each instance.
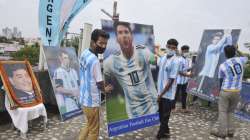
(184, 126)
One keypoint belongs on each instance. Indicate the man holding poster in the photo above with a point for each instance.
(230, 75)
(92, 84)
(131, 68)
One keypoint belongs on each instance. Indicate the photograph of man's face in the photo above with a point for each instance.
(122, 37)
(65, 60)
(63, 68)
(21, 80)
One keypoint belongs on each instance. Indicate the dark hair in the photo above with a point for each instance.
(10, 68)
(122, 23)
(172, 41)
(230, 51)
(185, 47)
(99, 33)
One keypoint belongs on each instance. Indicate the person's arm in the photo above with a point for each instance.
(221, 81)
(107, 71)
(151, 57)
(226, 40)
(58, 80)
(186, 74)
(240, 53)
(183, 69)
(105, 88)
(221, 76)
(172, 77)
(167, 86)
(67, 92)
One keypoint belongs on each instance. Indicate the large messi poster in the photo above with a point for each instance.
(243, 107)
(133, 102)
(205, 83)
(63, 69)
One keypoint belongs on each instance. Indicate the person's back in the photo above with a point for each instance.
(230, 76)
(232, 71)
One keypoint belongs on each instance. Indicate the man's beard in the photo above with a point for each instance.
(127, 50)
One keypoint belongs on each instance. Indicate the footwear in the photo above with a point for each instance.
(166, 136)
(217, 134)
(23, 136)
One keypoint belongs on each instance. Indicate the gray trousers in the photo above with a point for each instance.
(227, 104)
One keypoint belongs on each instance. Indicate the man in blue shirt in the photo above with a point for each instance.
(168, 70)
(91, 84)
(230, 75)
(183, 77)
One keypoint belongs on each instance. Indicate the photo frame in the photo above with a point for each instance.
(63, 68)
(20, 84)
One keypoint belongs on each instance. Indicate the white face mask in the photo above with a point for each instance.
(185, 54)
(171, 52)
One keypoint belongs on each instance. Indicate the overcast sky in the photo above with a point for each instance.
(184, 20)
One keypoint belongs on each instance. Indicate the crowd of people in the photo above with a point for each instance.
(131, 68)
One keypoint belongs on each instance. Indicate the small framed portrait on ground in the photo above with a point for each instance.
(20, 84)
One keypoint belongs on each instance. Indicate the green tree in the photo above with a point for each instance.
(31, 53)
(72, 42)
(75, 42)
(3, 39)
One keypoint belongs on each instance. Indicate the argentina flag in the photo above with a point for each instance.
(79, 5)
(55, 17)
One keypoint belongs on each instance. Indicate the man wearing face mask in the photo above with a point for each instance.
(183, 76)
(168, 71)
(131, 68)
(92, 84)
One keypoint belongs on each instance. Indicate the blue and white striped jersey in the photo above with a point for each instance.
(90, 74)
(135, 78)
(69, 80)
(169, 68)
(231, 71)
(183, 67)
(212, 56)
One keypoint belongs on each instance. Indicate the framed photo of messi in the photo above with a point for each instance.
(205, 83)
(132, 104)
(20, 83)
(63, 70)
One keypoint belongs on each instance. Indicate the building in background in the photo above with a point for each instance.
(6, 49)
(11, 33)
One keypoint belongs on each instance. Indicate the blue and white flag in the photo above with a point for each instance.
(79, 5)
(55, 17)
